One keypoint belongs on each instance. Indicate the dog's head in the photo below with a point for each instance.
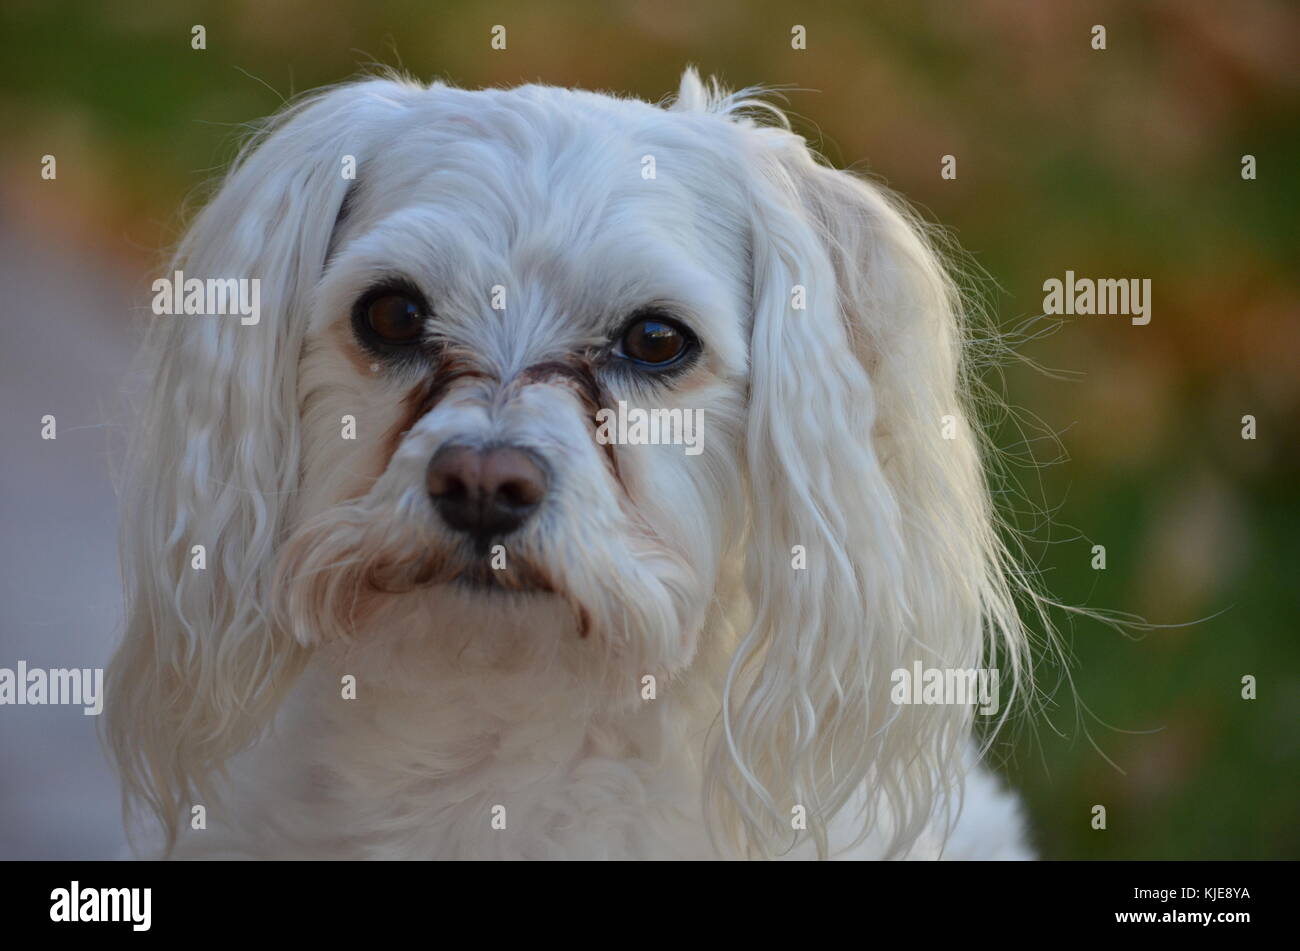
(536, 368)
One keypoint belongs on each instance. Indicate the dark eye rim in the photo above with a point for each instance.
(366, 335)
(689, 351)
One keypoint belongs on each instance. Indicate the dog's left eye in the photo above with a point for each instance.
(654, 342)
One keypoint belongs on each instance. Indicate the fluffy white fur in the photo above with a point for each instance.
(326, 558)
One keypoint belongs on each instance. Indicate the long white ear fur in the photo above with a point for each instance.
(847, 458)
(214, 460)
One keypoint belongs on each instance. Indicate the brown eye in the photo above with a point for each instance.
(653, 342)
(395, 318)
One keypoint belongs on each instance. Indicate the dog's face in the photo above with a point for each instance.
(510, 266)
(413, 453)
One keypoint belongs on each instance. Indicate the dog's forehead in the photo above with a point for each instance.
(513, 167)
(582, 203)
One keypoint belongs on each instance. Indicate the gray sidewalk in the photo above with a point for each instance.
(64, 347)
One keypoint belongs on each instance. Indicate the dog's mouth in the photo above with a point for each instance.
(500, 573)
(461, 569)
(520, 579)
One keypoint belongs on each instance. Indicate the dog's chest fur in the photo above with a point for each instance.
(461, 772)
(464, 770)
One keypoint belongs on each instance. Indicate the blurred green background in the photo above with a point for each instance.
(1117, 163)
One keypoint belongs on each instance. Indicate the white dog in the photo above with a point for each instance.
(438, 613)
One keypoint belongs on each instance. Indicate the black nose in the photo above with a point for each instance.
(485, 492)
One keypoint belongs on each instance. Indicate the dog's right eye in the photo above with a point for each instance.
(395, 318)
(389, 318)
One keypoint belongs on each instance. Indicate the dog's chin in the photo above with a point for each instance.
(512, 598)
(373, 584)
(465, 626)
(522, 621)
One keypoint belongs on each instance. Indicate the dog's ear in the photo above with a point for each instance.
(872, 539)
(214, 460)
